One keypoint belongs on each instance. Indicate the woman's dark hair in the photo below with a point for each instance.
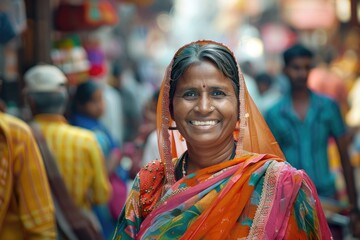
(199, 52)
(295, 51)
(83, 93)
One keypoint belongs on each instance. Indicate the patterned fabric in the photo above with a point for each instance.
(79, 158)
(26, 211)
(302, 148)
(250, 197)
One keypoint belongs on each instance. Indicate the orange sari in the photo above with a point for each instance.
(254, 196)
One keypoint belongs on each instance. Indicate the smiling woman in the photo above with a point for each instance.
(232, 181)
(206, 113)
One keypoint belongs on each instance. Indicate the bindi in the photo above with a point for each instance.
(203, 84)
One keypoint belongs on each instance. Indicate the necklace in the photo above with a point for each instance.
(183, 166)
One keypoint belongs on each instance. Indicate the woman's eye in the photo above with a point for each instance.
(218, 93)
(190, 94)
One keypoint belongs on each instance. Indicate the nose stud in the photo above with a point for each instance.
(212, 108)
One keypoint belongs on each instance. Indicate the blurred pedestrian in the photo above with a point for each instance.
(2, 103)
(76, 150)
(353, 120)
(131, 84)
(302, 123)
(147, 134)
(146, 140)
(324, 80)
(88, 107)
(26, 207)
(269, 93)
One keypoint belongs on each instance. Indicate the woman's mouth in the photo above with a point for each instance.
(204, 123)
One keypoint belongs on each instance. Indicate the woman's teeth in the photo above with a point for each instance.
(203, 123)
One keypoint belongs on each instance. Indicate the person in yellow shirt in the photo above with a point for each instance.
(26, 207)
(76, 151)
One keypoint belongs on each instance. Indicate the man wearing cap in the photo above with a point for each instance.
(76, 150)
(26, 208)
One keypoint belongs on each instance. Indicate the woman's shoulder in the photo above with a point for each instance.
(153, 166)
(152, 179)
(276, 167)
(281, 166)
(285, 176)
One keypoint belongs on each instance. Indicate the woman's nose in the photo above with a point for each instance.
(204, 105)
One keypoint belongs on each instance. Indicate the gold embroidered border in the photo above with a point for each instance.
(257, 229)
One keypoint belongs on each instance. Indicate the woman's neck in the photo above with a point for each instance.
(199, 158)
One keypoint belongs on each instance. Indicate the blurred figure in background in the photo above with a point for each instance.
(26, 207)
(2, 103)
(146, 134)
(88, 106)
(302, 122)
(148, 131)
(135, 92)
(324, 80)
(129, 84)
(76, 150)
(269, 94)
(113, 117)
(249, 76)
(353, 120)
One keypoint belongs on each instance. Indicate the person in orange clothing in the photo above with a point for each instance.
(323, 79)
(26, 207)
(76, 150)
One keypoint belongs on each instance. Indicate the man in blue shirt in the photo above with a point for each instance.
(302, 123)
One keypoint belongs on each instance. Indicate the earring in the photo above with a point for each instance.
(237, 126)
(236, 133)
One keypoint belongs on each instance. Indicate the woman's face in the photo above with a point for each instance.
(205, 106)
(95, 106)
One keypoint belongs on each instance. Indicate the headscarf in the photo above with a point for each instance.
(253, 134)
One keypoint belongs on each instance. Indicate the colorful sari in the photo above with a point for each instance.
(255, 195)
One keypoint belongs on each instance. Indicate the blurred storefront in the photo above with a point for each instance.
(148, 31)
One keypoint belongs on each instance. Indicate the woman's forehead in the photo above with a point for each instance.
(202, 70)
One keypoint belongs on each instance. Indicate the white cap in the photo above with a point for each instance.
(44, 78)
